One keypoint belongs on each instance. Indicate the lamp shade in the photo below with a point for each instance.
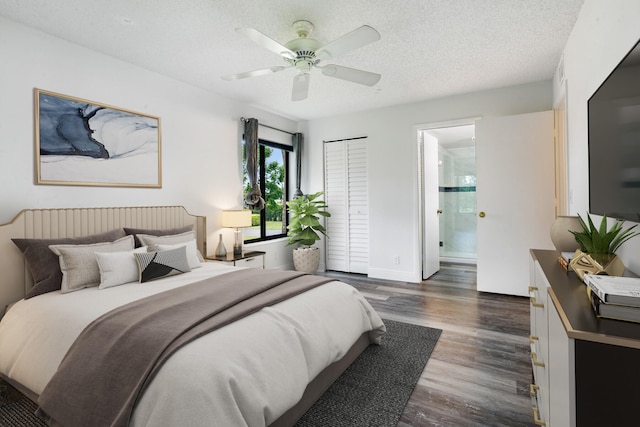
(236, 218)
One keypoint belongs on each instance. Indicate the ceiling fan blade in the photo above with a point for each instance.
(254, 73)
(267, 42)
(355, 39)
(351, 74)
(300, 86)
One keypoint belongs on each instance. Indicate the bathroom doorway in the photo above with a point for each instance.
(457, 191)
(448, 193)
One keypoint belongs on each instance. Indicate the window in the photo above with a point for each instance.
(273, 167)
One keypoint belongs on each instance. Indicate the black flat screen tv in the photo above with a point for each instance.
(614, 142)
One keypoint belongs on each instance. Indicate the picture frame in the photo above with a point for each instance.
(86, 143)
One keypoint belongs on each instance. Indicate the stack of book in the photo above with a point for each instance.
(614, 297)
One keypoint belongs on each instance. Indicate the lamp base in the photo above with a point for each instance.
(237, 243)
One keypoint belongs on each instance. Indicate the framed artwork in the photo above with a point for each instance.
(80, 142)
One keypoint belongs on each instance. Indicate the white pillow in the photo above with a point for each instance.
(152, 242)
(78, 262)
(118, 268)
(171, 239)
(192, 252)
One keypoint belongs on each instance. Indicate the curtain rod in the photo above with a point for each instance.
(346, 139)
(267, 126)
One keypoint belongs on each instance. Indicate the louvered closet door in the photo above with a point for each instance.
(347, 195)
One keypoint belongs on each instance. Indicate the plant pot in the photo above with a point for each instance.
(583, 263)
(306, 259)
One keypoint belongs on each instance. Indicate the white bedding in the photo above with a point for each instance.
(244, 374)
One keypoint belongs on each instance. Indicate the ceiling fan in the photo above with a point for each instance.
(305, 53)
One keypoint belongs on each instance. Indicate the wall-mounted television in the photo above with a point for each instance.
(614, 142)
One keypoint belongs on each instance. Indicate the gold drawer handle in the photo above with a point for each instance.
(536, 362)
(536, 418)
(532, 389)
(533, 338)
(536, 303)
(533, 288)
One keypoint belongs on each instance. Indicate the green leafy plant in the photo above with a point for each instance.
(304, 224)
(599, 240)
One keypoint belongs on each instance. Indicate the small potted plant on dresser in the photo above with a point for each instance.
(598, 246)
(304, 227)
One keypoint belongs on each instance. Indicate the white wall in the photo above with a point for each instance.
(200, 132)
(603, 34)
(393, 164)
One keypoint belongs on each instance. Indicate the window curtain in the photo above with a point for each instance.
(253, 199)
(298, 140)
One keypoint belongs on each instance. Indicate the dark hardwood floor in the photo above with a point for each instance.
(480, 371)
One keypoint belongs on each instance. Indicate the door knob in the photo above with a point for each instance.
(481, 214)
(439, 211)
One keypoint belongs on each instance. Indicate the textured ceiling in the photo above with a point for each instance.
(428, 48)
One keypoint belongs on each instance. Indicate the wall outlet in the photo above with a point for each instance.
(396, 259)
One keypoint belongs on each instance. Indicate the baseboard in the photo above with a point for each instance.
(398, 276)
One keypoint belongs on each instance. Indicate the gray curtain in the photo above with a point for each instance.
(253, 199)
(298, 140)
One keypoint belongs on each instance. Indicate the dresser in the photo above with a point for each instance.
(586, 370)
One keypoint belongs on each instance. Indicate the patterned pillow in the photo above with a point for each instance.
(79, 265)
(155, 265)
(43, 264)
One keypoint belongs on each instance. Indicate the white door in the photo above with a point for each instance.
(347, 197)
(431, 229)
(515, 197)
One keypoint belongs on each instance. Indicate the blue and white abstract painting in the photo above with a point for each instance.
(80, 142)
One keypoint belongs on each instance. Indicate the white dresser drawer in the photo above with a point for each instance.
(254, 262)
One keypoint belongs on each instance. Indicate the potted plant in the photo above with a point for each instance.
(598, 246)
(305, 229)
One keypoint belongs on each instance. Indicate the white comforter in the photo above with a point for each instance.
(244, 374)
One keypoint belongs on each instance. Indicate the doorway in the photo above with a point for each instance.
(448, 194)
(457, 194)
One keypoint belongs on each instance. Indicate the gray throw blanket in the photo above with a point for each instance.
(107, 368)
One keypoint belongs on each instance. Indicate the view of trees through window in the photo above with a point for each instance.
(272, 177)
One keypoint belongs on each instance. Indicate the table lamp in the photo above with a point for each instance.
(237, 219)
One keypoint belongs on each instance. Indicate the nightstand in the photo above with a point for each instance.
(252, 259)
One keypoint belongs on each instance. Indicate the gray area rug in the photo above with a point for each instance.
(372, 392)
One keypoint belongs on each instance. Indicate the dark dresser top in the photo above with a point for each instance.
(569, 296)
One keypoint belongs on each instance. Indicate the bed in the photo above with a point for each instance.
(263, 369)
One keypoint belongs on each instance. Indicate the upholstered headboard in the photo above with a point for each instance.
(15, 279)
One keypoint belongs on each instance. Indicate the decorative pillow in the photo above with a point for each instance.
(118, 268)
(43, 263)
(78, 262)
(164, 232)
(152, 242)
(192, 252)
(155, 265)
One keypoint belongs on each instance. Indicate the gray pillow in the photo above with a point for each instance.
(43, 263)
(79, 265)
(163, 232)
